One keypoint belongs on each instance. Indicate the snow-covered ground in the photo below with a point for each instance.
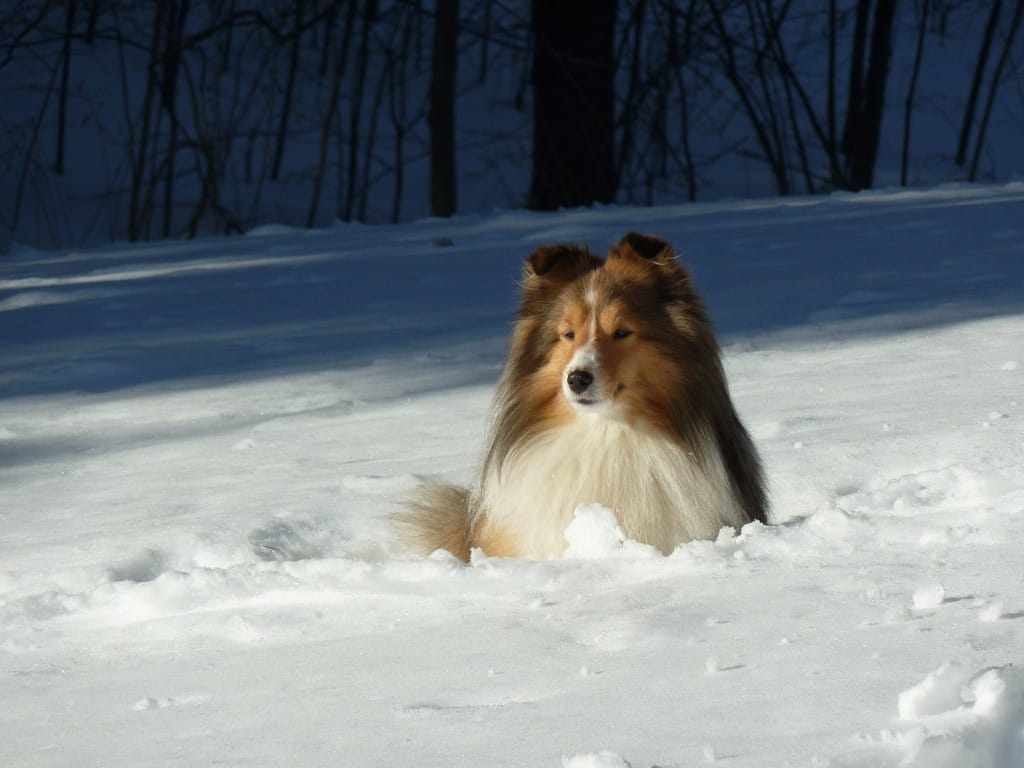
(199, 443)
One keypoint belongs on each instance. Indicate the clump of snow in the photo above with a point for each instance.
(952, 720)
(938, 692)
(993, 611)
(594, 533)
(928, 596)
(602, 759)
(984, 730)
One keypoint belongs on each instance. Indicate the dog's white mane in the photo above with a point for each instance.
(661, 492)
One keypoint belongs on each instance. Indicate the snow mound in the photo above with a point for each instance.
(928, 596)
(595, 534)
(993, 611)
(953, 720)
(937, 693)
(602, 759)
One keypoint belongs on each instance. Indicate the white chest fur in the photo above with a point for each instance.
(660, 493)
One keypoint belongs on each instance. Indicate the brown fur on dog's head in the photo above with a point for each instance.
(659, 362)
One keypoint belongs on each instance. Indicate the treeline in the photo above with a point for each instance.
(132, 119)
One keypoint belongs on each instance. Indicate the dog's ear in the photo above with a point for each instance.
(560, 263)
(647, 248)
(548, 271)
(649, 260)
(646, 251)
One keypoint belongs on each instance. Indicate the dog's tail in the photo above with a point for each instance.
(436, 516)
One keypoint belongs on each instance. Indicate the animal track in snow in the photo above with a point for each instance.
(283, 541)
(148, 565)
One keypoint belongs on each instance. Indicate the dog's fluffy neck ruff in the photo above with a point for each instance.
(662, 492)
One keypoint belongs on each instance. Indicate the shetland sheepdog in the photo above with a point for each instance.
(613, 393)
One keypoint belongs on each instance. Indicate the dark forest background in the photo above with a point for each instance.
(123, 119)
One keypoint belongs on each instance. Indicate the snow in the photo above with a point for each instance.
(594, 534)
(602, 759)
(929, 596)
(949, 721)
(200, 444)
(938, 692)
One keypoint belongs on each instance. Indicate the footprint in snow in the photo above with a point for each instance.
(148, 565)
(282, 541)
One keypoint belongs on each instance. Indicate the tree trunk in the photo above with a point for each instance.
(442, 109)
(573, 119)
(172, 66)
(869, 121)
(908, 107)
(330, 17)
(369, 16)
(91, 22)
(135, 207)
(979, 75)
(635, 92)
(485, 42)
(675, 63)
(62, 105)
(369, 146)
(855, 95)
(289, 90)
(1011, 35)
(830, 107)
(332, 107)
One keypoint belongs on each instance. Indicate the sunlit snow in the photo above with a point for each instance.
(200, 443)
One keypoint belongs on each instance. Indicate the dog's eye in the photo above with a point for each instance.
(622, 333)
(568, 335)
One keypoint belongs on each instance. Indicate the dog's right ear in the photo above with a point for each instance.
(648, 249)
(559, 263)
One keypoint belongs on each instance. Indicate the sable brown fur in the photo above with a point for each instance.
(436, 517)
(668, 371)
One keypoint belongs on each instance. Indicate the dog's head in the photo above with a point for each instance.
(612, 337)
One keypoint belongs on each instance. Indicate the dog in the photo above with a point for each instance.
(613, 393)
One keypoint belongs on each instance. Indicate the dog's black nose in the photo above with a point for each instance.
(579, 381)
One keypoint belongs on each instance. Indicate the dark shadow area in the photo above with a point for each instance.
(343, 298)
(241, 308)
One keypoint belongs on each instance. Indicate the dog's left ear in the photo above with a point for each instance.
(646, 248)
(560, 263)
